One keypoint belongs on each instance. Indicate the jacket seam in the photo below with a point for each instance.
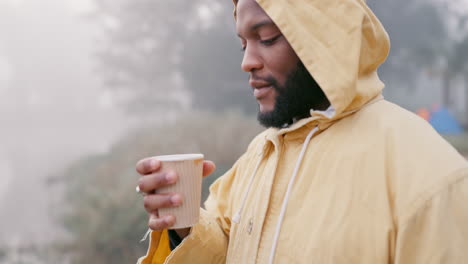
(436, 189)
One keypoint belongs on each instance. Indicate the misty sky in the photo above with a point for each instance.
(53, 108)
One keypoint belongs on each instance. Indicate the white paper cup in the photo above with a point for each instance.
(189, 168)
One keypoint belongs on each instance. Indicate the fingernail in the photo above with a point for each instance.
(171, 177)
(176, 200)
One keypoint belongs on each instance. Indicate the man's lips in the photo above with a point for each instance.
(261, 92)
(258, 84)
(261, 88)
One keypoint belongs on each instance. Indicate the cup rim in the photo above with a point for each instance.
(180, 157)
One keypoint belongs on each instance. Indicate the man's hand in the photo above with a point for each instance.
(152, 179)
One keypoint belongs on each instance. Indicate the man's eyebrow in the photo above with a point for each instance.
(259, 25)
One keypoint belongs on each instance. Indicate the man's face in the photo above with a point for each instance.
(267, 54)
(284, 89)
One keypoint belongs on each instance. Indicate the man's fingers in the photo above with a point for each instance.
(153, 202)
(161, 223)
(208, 167)
(155, 181)
(151, 165)
(147, 166)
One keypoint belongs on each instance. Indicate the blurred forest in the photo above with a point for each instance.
(175, 65)
(191, 46)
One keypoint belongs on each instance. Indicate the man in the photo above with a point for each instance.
(340, 175)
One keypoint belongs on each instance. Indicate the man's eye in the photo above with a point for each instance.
(269, 42)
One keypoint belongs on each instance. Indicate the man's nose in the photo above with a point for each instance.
(251, 60)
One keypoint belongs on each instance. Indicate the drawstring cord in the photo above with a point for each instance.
(148, 232)
(288, 192)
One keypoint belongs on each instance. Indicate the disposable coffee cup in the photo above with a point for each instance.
(189, 168)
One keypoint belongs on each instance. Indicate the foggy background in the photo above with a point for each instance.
(89, 87)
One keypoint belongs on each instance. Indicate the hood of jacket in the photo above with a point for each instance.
(341, 43)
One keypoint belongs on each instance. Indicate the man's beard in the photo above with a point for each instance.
(295, 99)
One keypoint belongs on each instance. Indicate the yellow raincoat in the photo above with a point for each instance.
(363, 182)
